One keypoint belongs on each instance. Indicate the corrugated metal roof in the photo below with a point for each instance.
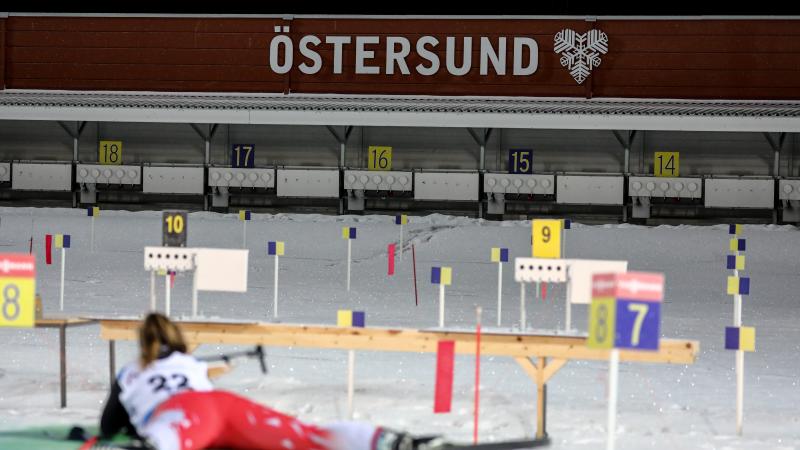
(361, 110)
(509, 105)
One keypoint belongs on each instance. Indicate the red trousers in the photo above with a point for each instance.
(220, 419)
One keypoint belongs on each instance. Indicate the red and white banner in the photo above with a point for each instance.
(18, 265)
(630, 285)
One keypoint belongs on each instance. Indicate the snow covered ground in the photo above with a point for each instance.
(660, 406)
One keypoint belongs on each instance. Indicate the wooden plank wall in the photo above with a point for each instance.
(2, 53)
(703, 59)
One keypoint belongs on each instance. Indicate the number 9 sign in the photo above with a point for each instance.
(17, 290)
(546, 238)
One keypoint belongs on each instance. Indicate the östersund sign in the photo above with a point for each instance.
(579, 53)
(492, 54)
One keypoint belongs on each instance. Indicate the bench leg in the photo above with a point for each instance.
(112, 363)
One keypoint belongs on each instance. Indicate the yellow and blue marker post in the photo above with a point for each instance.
(63, 242)
(499, 256)
(244, 216)
(349, 233)
(275, 248)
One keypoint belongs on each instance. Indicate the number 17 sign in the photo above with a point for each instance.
(17, 290)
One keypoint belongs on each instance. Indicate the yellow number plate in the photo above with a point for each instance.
(546, 238)
(110, 152)
(380, 158)
(17, 304)
(602, 315)
(667, 164)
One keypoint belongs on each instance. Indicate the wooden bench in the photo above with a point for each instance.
(540, 356)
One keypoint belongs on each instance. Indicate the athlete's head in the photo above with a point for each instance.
(159, 336)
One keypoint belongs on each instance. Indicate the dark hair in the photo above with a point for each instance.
(157, 336)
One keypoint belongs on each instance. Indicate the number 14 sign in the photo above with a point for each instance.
(626, 310)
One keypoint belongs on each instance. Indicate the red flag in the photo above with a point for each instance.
(172, 279)
(445, 362)
(48, 248)
(544, 291)
(391, 259)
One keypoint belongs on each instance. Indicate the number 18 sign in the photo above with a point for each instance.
(17, 290)
(626, 310)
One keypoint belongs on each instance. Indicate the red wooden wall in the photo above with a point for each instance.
(704, 59)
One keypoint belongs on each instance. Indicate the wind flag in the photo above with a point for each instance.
(499, 254)
(442, 275)
(734, 229)
(275, 248)
(740, 338)
(348, 232)
(391, 250)
(62, 241)
(738, 286)
(445, 363)
(735, 262)
(48, 249)
(348, 318)
(93, 211)
(244, 214)
(737, 245)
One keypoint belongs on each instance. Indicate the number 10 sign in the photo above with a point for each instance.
(626, 310)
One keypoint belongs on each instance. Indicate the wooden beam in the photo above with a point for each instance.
(528, 366)
(404, 340)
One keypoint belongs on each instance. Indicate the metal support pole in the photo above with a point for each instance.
(62, 342)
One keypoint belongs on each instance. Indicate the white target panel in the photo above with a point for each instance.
(529, 270)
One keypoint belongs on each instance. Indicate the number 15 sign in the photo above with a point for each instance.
(626, 310)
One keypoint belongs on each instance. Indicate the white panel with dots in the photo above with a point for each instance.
(528, 270)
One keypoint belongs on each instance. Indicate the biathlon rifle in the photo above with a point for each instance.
(257, 352)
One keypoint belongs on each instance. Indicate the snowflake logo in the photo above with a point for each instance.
(580, 53)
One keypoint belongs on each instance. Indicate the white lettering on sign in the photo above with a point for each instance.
(493, 54)
(7, 265)
(310, 54)
(397, 57)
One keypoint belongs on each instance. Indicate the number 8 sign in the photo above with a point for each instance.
(17, 290)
